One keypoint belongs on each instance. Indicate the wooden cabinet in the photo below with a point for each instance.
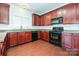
(12, 36)
(35, 20)
(70, 40)
(66, 40)
(4, 13)
(45, 35)
(42, 20)
(75, 41)
(54, 14)
(28, 36)
(77, 12)
(21, 37)
(24, 37)
(16, 38)
(46, 19)
(69, 13)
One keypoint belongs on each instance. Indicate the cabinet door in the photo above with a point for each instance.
(21, 37)
(12, 38)
(35, 20)
(76, 41)
(69, 13)
(45, 35)
(4, 13)
(77, 12)
(60, 12)
(67, 40)
(42, 20)
(54, 14)
(28, 36)
(47, 20)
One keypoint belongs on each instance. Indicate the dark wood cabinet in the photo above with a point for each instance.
(69, 13)
(45, 35)
(35, 20)
(75, 41)
(42, 20)
(70, 41)
(24, 37)
(46, 19)
(21, 37)
(28, 36)
(16, 38)
(4, 13)
(12, 36)
(67, 40)
(54, 14)
(77, 12)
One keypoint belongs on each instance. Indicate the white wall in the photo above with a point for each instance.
(18, 16)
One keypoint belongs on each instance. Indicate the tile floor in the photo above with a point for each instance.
(37, 48)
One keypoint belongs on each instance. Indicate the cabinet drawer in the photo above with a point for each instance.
(66, 45)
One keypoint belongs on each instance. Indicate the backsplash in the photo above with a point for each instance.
(68, 26)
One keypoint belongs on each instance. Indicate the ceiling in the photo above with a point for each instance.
(41, 8)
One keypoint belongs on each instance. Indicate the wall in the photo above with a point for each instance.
(18, 16)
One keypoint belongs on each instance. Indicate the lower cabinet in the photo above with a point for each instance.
(75, 41)
(28, 36)
(44, 35)
(70, 41)
(66, 40)
(12, 36)
(16, 38)
(21, 37)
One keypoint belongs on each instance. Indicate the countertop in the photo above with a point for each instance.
(22, 30)
(4, 32)
(72, 31)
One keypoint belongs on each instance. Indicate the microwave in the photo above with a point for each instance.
(58, 20)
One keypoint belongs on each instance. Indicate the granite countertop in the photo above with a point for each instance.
(22, 30)
(72, 31)
(4, 32)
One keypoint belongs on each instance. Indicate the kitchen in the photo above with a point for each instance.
(51, 26)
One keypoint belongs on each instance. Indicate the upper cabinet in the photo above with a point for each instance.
(77, 12)
(35, 20)
(4, 13)
(46, 19)
(42, 20)
(69, 13)
(54, 14)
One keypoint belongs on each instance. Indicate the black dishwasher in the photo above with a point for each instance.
(34, 35)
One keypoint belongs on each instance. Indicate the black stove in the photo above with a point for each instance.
(55, 35)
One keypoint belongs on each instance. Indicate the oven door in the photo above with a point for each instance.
(55, 38)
